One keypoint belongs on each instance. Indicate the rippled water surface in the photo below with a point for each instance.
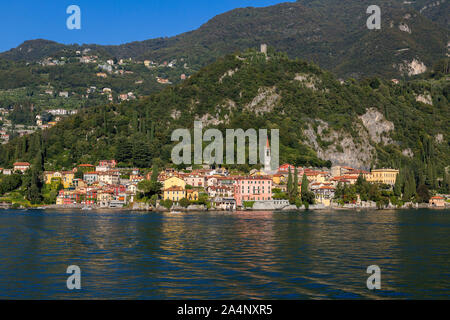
(243, 255)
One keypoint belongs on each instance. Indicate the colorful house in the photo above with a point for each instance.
(104, 197)
(253, 189)
(278, 178)
(85, 167)
(385, 176)
(437, 202)
(174, 181)
(195, 180)
(109, 177)
(108, 163)
(67, 197)
(65, 177)
(90, 177)
(324, 194)
(174, 193)
(220, 191)
(192, 194)
(285, 168)
(21, 166)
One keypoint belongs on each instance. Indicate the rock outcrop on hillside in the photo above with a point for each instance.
(377, 126)
(340, 147)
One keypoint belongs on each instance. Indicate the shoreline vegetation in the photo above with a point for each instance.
(146, 208)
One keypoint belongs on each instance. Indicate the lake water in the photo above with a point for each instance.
(240, 255)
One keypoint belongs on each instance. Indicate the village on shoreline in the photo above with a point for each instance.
(106, 186)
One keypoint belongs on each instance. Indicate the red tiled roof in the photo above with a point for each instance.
(174, 189)
(21, 164)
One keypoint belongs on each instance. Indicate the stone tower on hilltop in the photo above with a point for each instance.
(264, 48)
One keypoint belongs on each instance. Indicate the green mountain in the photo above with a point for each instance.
(322, 120)
(331, 33)
(28, 89)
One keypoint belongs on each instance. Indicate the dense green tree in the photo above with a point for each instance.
(423, 194)
(295, 184)
(410, 187)
(35, 183)
(167, 203)
(149, 188)
(155, 173)
(289, 184)
(307, 196)
(305, 185)
(124, 151)
(399, 182)
(10, 183)
(141, 154)
(445, 184)
(184, 203)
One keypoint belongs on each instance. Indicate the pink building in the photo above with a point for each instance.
(108, 163)
(195, 180)
(253, 189)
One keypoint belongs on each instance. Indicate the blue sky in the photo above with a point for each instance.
(108, 21)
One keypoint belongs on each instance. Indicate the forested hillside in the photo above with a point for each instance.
(73, 79)
(322, 120)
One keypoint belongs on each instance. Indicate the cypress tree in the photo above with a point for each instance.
(445, 182)
(398, 184)
(34, 187)
(295, 184)
(155, 173)
(410, 187)
(289, 183)
(304, 185)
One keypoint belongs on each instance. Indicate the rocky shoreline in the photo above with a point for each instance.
(201, 208)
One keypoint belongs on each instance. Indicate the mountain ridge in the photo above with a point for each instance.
(331, 33)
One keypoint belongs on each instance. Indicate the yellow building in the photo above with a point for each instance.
(316, 176)
(386, 176)
(66, 177)
(257, 173)
(278, 179)
(192, 194)
(60, 201)
(174, 193)
(174, 182)
(50, 175)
